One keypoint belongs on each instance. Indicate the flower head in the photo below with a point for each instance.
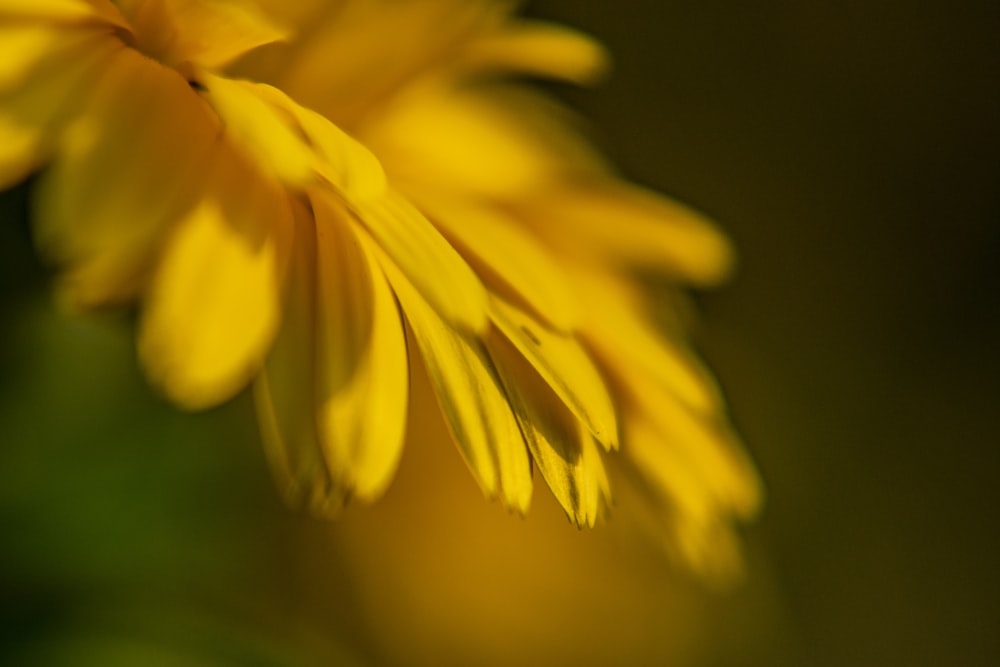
(313, 196)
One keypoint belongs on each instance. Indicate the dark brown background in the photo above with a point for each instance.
(852, 150)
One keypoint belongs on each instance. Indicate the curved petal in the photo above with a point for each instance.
(430, 264)
(151, 137)
(560, 446)
(214, 304)
(472, 399)
(642, 358)
(339, 158)
(285, 390)
(41, 95)
(215, 33)
(62, 11)
(540, 49)
(332, 398)
(565, 366)
(496, 142)
(711, 452)
(511, 259)
(265, 133)
(365, 55)
(361, 362)
(630, 226)
(682, 508)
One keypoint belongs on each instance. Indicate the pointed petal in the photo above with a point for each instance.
(511, 259)
(285, 391)
(151, 136)
(567, 368)
(265, 133)
(692, 519)
(213, 307)
(363, 383)
(474, 404)
(430, 264)
(560, 446)
(540, 49)
(711, 451)
(630, 226)
(643, 358)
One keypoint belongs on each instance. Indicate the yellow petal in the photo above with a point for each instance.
(339, 158)
(128, 168)
(43, 95)
(21, 47)
(285, 391)
(473, 402)
(437, 271)
(513, 262)
(711, 451)
(497, 142)
(64, 11)
(215, 33)
(693, 519)
(567, 368)
(365, 54)
(630, 226)
(361, 360)
(643, 358)
(213, 308)
(540, 49)
(265, 133)
(561, 448)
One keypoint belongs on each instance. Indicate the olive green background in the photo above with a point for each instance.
(851, 149)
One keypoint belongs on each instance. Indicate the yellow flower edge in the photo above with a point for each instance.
(306, 198)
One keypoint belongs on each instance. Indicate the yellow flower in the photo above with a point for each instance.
(312, 196)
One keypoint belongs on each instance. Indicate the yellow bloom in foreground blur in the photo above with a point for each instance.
(312, 196)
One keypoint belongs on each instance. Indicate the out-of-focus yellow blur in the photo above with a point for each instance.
(850, 150)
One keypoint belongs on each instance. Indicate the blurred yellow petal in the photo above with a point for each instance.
(712, 451)
(285, 391)
(496, 143)
(344, 162)
(70, 11)
(215, 32)
(560, 446)
(364, 53)
(631, 226)
(213, 307)
(434, 268)
(474, 404)
(539, 49)
(21, 47)
(635, 351)
(152, 135)
(509, 258)
(41, 100)
(688, 515)
(565, 366)
(265, 133)
(361, 361)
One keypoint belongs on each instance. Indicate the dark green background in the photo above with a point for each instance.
(852, 151)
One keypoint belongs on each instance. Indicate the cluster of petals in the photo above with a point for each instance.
(315, 197)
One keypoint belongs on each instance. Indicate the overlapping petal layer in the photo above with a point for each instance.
(313, 203)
